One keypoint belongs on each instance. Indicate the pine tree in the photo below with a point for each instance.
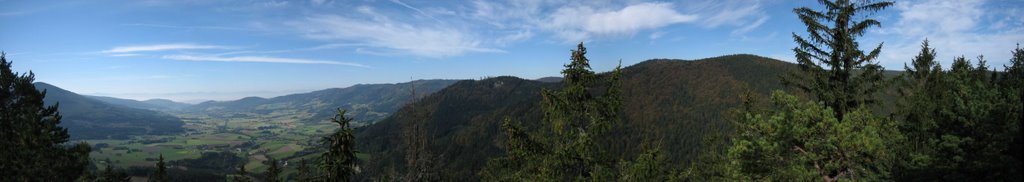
(577, 116)
(110, 174)
(273, 173)
(160, 175)
(1013, 91)
(973, 128)
(339, 162)
(241, 175)
(919, 90)
(32, 144)
(303, 173)
(803, 141)
(832, 68)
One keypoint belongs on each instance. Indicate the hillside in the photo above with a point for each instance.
(87, 118)
(669, 103)
(152, 104)
(366, 102)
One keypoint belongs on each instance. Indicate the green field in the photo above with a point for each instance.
(256, 137)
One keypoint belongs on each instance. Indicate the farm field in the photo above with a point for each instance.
(254, 137)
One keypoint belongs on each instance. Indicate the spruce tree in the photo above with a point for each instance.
(919, 91)
(303, 171)
(339, 162)
(577, 116)
(32, 144)
(160, 175)
(832, 68)
(273, 173)
(241, 175)
(1013, 91)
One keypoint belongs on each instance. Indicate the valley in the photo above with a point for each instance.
(254, 137)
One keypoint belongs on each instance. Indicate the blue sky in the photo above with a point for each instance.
(190, 50)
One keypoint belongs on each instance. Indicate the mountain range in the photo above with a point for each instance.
(151, 104)
(367, 103)
(88, 118)
(673, 104)
(669, 103)
(100, 117)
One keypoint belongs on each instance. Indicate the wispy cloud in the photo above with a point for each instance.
(381, 32)
(258, 59)
(189, 27)
(399, 2)
(161, 47)
(580, 23)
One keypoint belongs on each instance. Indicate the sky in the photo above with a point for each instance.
(194, 50)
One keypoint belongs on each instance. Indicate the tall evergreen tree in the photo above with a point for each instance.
(919, 89)
(339, 162)
(1013, 91)
(832, 67)
(273, 173)
(577, 116)
(160, 175)
(303, 171)
(241, 175)
(32, 144)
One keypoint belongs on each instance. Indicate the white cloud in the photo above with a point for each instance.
(579, 23)
(382, 32)
(161, 47)
(953, 28)
(257, 59)
(750, 26)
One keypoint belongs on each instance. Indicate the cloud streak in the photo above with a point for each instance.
(160, 47)
(384, 33)
(580, 23)
(258, 59)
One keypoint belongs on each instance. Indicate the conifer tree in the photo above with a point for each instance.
(803, 141)
(303, 171)
(1013, 91)
(577, 115)
(241, 175)
(339, 162)
(920, 90)
(111, 174)
(160, 175)
(273, 173)
(32, 144)
(832, 68)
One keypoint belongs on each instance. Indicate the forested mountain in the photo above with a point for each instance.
(365, 102)
(673, 104)
(151, 104)
(88, 118)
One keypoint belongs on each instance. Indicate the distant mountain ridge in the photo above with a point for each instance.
(151, 104)
(670, 103)
(367, 103)
(88, 118)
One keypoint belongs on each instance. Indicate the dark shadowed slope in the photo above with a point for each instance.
(367, 103)
(152, 104)
(671, 103)
(88, 118)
